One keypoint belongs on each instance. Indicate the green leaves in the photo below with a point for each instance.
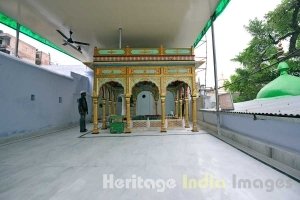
(282, 24)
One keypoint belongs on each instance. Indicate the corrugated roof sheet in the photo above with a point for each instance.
(280, 106)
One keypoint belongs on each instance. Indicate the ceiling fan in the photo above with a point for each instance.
(69, 41)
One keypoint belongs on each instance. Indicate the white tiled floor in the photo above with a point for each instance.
(63, 166)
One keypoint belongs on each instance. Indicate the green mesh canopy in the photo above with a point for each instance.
(220, 8)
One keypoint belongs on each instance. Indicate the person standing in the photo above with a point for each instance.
(83, 110)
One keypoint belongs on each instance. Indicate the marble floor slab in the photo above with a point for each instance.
(143, 165)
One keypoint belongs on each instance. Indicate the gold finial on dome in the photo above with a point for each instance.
(280, 52)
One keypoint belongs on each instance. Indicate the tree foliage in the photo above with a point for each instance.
(281, 25)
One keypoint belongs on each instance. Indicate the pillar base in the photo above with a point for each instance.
(104, 127)
(95, 131)
(163, 130)
(127, 130)
(195, 128)
(186, 124)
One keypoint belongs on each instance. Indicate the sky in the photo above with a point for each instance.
(231, 36)
(230, 39)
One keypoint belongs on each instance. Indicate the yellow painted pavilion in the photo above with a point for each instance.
(129, 71)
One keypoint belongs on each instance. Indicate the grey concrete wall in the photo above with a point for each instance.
(274, 140)
(209, 117)
(20, 115)
(279, 132)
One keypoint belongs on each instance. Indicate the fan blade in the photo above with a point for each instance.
(62, 34)
(74, 47)
(65, 42)
(83, 43)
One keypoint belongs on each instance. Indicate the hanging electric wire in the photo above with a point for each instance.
(261, 69)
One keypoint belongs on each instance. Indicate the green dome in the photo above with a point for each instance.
(282, 67)
(284, 85)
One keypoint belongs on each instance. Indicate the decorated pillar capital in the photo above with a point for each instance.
(127, 95)
(95, 98)
(95, 93)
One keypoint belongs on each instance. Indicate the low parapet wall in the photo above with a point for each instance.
(156, 124)
(274, 140)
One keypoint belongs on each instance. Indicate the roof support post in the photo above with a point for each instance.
(215, 75)
(128, 120)
(120, 38)
(17, 40)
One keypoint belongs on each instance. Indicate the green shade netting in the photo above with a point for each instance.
(220, 8)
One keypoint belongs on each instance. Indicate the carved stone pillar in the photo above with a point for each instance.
(194, 110)
(123, 112)
(95, 115)
(180, 108)
(128, 120)
(186, 113)
(115, 107)
(134, 108)
(95, 105)
(109, 107)
(163, 115)
(176, 108)
(156, 107)
(104, 114)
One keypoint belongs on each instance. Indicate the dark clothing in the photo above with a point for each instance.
(82, 123)
(83, 111)
(82, 105)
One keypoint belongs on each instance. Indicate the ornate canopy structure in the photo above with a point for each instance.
(132, 70)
